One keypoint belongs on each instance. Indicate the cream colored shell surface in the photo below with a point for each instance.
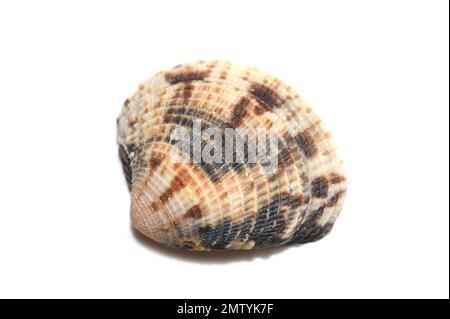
(204, 206)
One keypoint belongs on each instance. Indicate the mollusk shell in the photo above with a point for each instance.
(203, 206)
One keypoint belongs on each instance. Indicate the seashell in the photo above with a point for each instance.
(201, 205)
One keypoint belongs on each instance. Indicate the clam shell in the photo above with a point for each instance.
(204, 206)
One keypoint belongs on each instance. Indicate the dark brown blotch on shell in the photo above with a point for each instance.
(296, 201)
(194, 212)
(267, 98)
(239, 112)
(187, 76)
(155, 161)
(306, 144)
(319, 187)
(178, 183)
(336, 178)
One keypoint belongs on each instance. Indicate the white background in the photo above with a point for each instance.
(375, 71)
